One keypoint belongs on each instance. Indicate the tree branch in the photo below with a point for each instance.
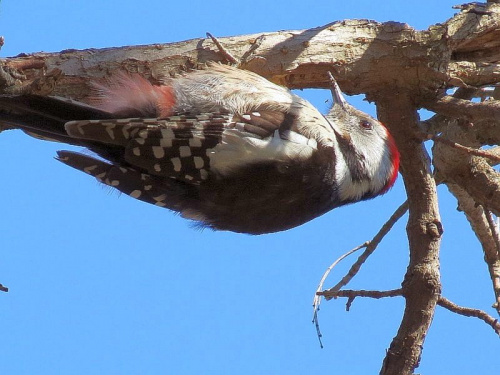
(466, 311)
(351, 294)
(492, 156)
(421, 286)
(366, 55)
(370, 248)
(460, 108)
(479, 223)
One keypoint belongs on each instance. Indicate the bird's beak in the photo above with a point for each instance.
(337, 95)
(339, 105)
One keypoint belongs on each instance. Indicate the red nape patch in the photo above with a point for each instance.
(125, 94)
(395, 162)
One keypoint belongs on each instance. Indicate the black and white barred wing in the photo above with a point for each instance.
(161, 161)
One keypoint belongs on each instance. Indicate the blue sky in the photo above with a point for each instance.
(104, 284)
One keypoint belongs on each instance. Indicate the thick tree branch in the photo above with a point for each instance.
(465, 109)
(476, 216)
(480, 181)
(492, 156)
(364, 55)
(421, 287)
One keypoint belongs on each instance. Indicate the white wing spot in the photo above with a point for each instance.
(195, 142)
(114, 183)
(188, 177)
(166, 142)
(109, 130)
(125, 132)
(159, 152)
(136, 194)
(184, 151)
(157, 167)
(177, 164)
(203, 174)
(136, 151)
(160, 198)
(166, 138)
(89, 169)
(198, 162)
(80, 129)
(247, 117)
(147, 187)
(141, 141)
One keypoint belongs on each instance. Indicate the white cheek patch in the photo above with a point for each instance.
(376, 163)
(237, 150)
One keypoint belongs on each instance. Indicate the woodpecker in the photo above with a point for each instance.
(222, 146)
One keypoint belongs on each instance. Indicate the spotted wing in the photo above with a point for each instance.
(189, 148)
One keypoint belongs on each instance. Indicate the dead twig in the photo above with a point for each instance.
(317, 296)
(317, 300)
(468, 150)
(370, 248)
(400, 211)
(469, 312)
(223, 51)
(493, 228)
(352, 294)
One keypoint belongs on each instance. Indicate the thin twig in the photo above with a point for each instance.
(352, 294)
(471, 151)
(494, 228)
(317, 296)
(224, 52)
(370, 248)
(317, 300)
(467, 311)
(400, 211)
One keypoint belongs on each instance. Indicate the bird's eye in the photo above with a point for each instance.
(366, 125)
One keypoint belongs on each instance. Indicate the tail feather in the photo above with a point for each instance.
(44, 117)
(142, 186)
